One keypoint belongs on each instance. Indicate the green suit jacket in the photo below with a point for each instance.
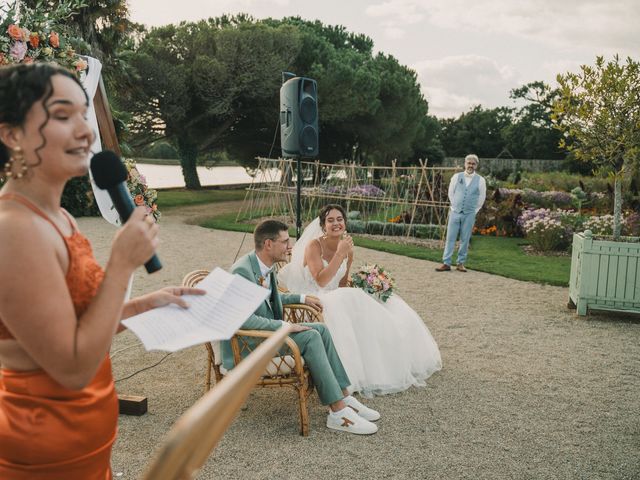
(268, 316)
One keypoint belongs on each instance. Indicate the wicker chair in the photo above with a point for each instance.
(196, 433)
(285, 370)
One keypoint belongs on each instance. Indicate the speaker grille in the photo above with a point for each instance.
(308, 110)
(308, 140)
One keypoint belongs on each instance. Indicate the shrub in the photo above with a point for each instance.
(599, 224)
(561, 181)
(632, 224)
(163, 150)
(549, 230)
(394, 229)
(500, 212)
(78, 199)
(547, 234)
(603, 224)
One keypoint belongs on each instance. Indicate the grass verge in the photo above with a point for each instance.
(496, 255)
(183, 198)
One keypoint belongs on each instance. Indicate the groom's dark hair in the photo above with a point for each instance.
(268, 230)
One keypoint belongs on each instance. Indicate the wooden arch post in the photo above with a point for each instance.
(106, 126)
(127, 404)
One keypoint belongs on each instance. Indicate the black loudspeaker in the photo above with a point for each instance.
(299, 117)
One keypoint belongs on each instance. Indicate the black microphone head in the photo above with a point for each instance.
(108, 170)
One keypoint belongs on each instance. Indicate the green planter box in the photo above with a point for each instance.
(605, 275)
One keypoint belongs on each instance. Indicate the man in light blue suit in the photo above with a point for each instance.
(467, 192)
(271, 238)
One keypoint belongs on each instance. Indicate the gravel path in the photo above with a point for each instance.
(528, 390)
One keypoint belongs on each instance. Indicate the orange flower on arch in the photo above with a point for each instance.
(15, 32)
(34, 40)
(54, 40)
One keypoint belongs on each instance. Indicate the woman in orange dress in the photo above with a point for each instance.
(58, 308)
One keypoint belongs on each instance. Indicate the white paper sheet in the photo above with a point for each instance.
(229, 301)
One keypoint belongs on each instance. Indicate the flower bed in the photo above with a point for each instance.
(394, 229)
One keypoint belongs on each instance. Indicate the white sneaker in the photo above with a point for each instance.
(365, 412)
(347, 420)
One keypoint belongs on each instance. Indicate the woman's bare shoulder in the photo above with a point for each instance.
(313, 246)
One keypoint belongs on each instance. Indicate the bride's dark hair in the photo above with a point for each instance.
(325, 211)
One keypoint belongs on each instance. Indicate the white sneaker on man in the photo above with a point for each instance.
(347, 420)
(365, 412)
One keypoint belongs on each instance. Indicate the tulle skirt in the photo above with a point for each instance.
(384, 347)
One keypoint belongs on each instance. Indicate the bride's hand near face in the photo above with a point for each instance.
(322, 273)
(345, 247)
(346, 243)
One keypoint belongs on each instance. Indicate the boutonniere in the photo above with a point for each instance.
(261, 281)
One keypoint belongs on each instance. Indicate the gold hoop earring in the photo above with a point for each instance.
(17, 156)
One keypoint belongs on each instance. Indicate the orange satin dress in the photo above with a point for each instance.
(46, 430)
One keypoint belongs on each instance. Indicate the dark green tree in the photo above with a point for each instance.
(478, 131)
(204, 84)
(427, 142)
(531, 135)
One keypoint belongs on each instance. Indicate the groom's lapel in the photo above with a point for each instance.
(255, 268)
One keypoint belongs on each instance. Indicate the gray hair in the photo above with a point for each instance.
(472, 156)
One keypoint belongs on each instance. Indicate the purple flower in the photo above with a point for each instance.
(506, 192)
(366, 191)
(18, 50)
(333, 189)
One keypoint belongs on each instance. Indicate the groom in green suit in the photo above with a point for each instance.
(271, 238)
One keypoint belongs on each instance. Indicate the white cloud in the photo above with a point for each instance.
(394, 15)
(156, 12)
(455, 84)
(610, 26)
(549, 70)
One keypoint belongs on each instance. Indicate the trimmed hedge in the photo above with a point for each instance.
(374, 227)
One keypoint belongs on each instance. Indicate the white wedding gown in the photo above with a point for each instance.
(384, 347)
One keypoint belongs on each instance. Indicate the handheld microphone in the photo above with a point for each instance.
(110, 174)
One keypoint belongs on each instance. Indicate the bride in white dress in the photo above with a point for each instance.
(384, 347)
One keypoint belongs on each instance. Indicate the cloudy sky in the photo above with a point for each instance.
(466, 52)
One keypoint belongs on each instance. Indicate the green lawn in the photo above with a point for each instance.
(182, 198)
(497, 255)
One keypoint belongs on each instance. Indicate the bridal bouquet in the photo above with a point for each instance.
(374, 280)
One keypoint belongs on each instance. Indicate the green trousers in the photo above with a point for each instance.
(323, 362)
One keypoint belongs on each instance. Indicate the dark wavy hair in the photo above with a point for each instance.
(21, 86)
(324, 211)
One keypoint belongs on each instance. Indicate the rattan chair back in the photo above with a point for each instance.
(286, 369)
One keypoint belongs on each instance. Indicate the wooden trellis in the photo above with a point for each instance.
(414, 195)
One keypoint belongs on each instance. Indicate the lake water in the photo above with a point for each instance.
(170, 176)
